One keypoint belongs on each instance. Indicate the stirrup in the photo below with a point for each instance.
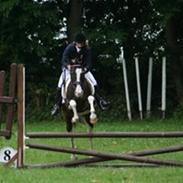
(104, 105)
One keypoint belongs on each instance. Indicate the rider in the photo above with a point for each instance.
(77, 53)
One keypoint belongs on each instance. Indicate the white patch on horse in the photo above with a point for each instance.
(73, 104)
(64, 89)
(78, 91)
(93, 116)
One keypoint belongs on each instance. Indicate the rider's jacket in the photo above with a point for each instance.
(73, 56)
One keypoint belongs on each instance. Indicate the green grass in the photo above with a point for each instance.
(97, 174)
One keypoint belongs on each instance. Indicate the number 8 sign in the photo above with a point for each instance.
(6, 154)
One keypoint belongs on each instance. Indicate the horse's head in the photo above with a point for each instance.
(77, 79)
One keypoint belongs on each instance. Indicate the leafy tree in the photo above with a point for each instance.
(35, 33)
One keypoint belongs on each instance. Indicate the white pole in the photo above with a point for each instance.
(126, 85)
(163, 96)
(149, 88)
(138, 87)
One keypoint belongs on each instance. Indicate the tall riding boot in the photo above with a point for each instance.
(58, 102)
(103, 104)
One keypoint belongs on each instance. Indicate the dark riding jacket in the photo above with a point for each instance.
(71, 56)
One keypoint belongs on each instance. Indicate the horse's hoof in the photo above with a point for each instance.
(93, 121)
(74, 120)
(93, 118)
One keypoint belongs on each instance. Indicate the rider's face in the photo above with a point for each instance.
(80, 45)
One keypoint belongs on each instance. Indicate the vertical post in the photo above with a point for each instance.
(21, 115)
(2, 79)
(126, 86)
(12, 91)
(149, 88)
(138, 87)
(163, 95)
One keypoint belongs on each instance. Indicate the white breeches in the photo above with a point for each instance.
(65, 75)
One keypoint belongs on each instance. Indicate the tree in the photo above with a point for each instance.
(34, 32)
(174, 36)
(74, 18)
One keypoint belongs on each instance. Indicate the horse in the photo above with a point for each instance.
(78, 95)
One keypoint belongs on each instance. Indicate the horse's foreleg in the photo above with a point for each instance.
(73, 107)
(93, 116)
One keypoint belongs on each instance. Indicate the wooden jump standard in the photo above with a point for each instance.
(9, 100)
(16, 96)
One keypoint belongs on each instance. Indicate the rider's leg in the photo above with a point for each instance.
(101, 102)
(58, 97)
(58, 102)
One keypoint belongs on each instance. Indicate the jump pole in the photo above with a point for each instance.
(138, 87)
(149, 88)
(127, 157)
(158, 134)
(85, 161)
(126, 85)
(163, 95)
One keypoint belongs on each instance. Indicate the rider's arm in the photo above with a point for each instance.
(66, 56)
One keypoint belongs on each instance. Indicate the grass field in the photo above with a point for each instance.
(97, 174)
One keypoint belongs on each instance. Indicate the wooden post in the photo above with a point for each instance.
(2, 79)
(12, 91)
(21, 115)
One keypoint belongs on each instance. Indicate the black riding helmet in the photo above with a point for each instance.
(80, 38)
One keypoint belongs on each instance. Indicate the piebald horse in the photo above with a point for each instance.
(78, 94)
